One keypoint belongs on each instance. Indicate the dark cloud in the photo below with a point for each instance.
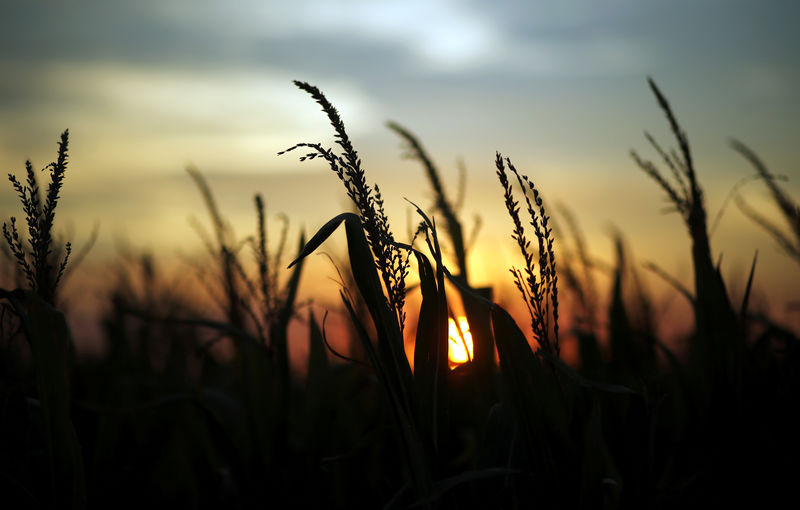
(534, 38)
(738, 53)
(340, 55)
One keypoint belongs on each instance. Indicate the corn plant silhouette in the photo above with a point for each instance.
(45, 327)
(790, 208)
(479, 320)
(720, 343)
(36, 255)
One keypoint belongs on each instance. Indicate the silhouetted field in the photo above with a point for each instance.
(163, 420)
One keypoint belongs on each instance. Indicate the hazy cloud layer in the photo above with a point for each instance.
(147, 85)
(156, 71)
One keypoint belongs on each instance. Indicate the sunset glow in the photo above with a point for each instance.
(459, 341)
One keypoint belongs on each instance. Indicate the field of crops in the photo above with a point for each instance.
(485, 414)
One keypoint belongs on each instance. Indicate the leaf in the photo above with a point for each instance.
(746, 298)
(430, 352)
(583, 381)
(50, 339)
(279, 331)
(538, 404)
(390, 348)
(263, 394)
(388, 358)
(488, 303)
(478, 305)
(480, 326)
(322, 234)
(317, 357)
(362, 265)
(413, 452)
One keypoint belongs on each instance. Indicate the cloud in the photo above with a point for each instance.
(595, 56)
(160, 117)
(199, 69)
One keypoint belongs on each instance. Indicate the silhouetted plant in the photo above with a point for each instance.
(47, 331)
(478, 319)
(443, 204)
(539, 289)
(721, 343)
(789, 243)
(577, 269)
(37, 255)
(391, 263)
(224, 247)
(248, 300)
(379, 269)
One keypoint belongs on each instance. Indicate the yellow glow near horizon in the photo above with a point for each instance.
(459, 342)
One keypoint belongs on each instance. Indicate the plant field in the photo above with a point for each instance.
(195, 404)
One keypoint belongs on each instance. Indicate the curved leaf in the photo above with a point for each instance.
(322, 234)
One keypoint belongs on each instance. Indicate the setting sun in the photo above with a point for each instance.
(460, 342)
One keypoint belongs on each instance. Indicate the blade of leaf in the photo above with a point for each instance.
(746, 298)
(430, 351)
(322, 234)
(50, 339)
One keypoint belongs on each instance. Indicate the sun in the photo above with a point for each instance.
(459, 342)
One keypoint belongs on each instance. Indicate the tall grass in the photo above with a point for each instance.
(46, 329)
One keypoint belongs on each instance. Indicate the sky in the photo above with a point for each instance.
(148, 87)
